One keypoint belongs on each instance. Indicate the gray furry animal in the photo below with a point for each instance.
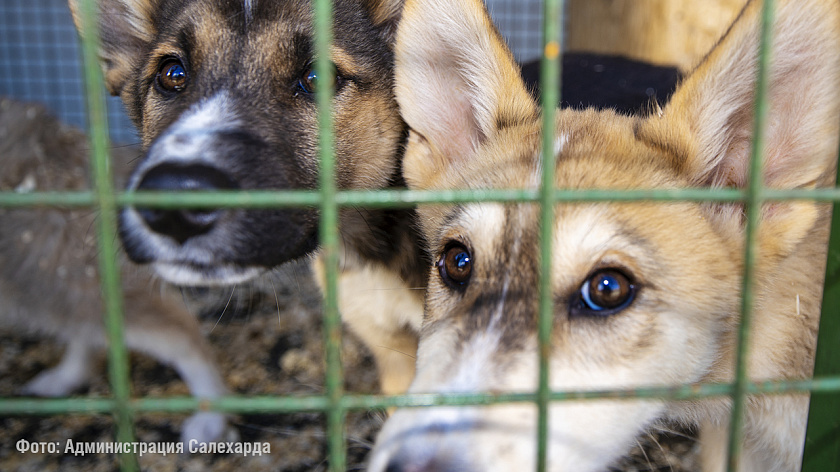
(49, 280)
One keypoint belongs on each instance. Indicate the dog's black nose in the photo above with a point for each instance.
(182, 225)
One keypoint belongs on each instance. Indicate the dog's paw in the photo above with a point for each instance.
(55, 382)
(208, 426)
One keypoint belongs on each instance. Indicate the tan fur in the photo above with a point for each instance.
(384, 313)
(385, 12)
(49, 277)
(684, 258)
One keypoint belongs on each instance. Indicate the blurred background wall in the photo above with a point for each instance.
(665, 32)
(39, 54)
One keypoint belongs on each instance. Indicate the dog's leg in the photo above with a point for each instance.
(386, 314)
(190, 356)
(204, 381)
(170, 334)
(72, 373)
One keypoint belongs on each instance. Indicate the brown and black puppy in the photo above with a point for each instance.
(222, 93)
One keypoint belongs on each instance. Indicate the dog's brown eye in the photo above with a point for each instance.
(455, 265)
(605, 292)
(172, 76)
(310, 82)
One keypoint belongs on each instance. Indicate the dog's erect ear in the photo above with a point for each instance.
(125, 28)
(456, 83)
(385, 13)
(709, 120)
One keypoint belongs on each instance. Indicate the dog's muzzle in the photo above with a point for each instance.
(183, 224)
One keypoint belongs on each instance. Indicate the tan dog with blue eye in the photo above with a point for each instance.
(645, 294)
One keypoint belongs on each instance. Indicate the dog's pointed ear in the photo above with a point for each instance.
(385, 14)
(709, 121)
(456, 84)
(125, 28)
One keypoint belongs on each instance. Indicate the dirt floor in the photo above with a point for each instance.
(268, 341)
(266, 345)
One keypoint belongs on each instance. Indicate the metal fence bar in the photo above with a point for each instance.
(753, 213)
(106, 231)
(822, 446)
(550, 90)
(287, 404)
(364, 198)
(399, 198)
(334, 381)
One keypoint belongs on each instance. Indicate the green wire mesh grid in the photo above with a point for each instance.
(822, 448)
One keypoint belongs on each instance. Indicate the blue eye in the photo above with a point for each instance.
(606, 292)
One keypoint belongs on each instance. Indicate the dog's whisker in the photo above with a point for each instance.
(184, 299)
(676, 432)
(295, 276)
(357, 441)
(276, 302)
(364, 218)
(655, 440)
(396, 350)
(224, 309)
(644, 453)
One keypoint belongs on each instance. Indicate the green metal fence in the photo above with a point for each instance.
(823, 437)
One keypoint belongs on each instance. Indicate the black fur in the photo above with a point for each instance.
(598, 81)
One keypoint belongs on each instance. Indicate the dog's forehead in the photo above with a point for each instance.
(484, 222)
(228, 24)
(581, 231)
(235, 12)
(604, 150)
(592, 150)
(219, 35)
(504, 235)
(268, 29)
